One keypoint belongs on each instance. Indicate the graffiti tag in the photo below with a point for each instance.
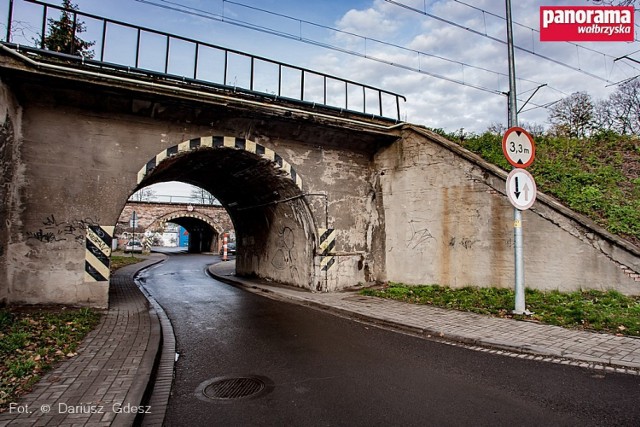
(57, 231)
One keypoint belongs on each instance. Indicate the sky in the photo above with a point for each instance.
(453, 73)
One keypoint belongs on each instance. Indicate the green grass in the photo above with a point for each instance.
(119, 261)
(31, 341)
(598, 177)
(609, 312)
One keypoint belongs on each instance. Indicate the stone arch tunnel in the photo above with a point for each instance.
(262, 194)
(205, 224)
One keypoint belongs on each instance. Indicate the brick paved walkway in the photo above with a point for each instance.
(114, 365)
(484, 333)
(112, 369)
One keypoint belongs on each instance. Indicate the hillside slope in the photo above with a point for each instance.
(598, 177)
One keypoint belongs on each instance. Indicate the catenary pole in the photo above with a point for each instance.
(517, 213)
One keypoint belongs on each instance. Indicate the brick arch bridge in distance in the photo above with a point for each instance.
(204, 223)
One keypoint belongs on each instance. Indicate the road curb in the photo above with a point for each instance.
(139, 391)
(485, 345)
(158, 382)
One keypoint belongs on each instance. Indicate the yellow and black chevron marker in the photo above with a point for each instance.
(223, 142)
(98, 251)
(327, 244)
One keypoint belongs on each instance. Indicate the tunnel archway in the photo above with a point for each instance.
(262, 193)
(204, 231)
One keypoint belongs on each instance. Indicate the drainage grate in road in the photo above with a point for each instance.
(233, 388)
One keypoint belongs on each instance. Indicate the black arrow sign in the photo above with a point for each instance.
(517, 192)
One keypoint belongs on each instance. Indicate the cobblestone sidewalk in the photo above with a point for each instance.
(105, 383)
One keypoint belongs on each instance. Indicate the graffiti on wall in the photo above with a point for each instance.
(284, 257)
(420, 234)
(463, 242)
(53, 230)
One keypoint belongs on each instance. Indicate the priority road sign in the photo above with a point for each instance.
(521, 189)
(518, 147)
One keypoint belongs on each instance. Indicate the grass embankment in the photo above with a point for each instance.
(31, 341)
(609, 312)
(119, 261)
(597, 176)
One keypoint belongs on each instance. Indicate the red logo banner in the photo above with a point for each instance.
(587, 23)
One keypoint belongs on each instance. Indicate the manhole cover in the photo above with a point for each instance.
(235, 387)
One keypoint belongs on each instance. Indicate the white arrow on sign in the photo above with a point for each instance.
(521, 189)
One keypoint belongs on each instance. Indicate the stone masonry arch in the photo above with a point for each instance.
(276, 234)
(220, 142)
(159, 222)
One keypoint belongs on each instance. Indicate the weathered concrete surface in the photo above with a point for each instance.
(204, 223)
(448, 221)
(86, 139)
(405, 204)
(11, 173)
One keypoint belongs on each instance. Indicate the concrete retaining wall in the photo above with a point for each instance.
(448, 221)
(11, 182)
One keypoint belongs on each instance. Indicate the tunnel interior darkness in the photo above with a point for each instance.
(202, 237)
(275, 231)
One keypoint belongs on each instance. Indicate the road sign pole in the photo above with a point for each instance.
(520, 307)
(517, 214)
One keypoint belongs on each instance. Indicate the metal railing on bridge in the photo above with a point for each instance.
(211, 64)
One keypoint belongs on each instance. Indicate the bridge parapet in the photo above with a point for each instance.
(314, 88)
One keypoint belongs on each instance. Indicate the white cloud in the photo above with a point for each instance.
(438, 103)
(369, 22)
(431, 100)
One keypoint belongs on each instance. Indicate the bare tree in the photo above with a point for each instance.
(497, 128)
(535, 129)
(602, 117)
(573, 116)
(200, 195)
(634, 3)
(624, 108)
(143, 195)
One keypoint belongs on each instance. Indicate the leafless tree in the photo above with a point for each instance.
(497, 128)
(200, 195)
(143, 195)
(624, 108)
(602, 117)
(535, 129)
(634, 3)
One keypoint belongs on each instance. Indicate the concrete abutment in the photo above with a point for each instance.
(317, 201)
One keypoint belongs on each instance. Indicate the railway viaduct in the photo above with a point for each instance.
(204, 223)
(320, 198)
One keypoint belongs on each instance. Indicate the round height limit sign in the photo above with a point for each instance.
(519, 149)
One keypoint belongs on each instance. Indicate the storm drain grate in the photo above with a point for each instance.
(231, 388)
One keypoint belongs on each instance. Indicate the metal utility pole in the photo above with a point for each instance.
(517, 214)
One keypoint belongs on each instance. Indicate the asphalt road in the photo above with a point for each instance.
(326, 370)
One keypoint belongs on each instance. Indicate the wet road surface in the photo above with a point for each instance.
(326, 370)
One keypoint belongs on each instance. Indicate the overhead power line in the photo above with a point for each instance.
(496, 39)
(236, 22)
(495, 15)
(176, 6)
